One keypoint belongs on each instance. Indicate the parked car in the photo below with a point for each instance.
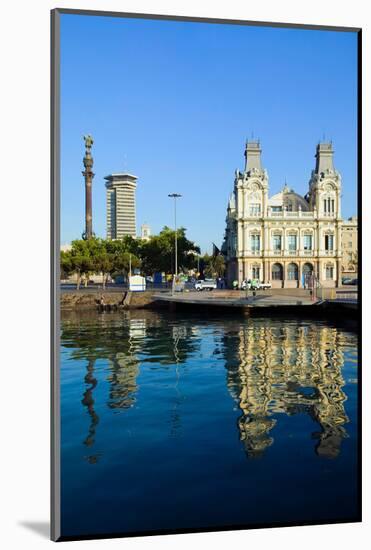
(254, 284)
(265, 286)
(207, 284)
(346, 281)
(354, 282)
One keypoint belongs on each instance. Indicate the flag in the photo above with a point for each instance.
(216, 250)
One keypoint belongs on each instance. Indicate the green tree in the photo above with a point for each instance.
(219, 265)
(81, 258)
(158, 253)
(123, 261)
(213, 266)
(103, 263)
(82, 266)
(111, 257)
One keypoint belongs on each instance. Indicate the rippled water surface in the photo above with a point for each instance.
(194, 422)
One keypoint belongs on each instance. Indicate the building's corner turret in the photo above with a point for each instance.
(253, 156)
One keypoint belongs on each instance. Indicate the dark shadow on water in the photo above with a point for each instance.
(42, 528)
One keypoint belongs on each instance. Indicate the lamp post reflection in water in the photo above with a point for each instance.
(175, 196)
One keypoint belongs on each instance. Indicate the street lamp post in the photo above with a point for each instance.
(175, 196)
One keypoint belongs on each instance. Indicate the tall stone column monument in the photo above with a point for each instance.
(88, 175)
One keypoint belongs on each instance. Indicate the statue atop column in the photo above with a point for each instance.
(88, 142)
(88, 175)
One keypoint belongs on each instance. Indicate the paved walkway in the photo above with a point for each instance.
(213, 299)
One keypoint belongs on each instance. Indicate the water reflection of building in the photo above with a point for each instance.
(288, 369)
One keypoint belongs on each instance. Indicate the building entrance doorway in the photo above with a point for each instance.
(277, 275)
(307, 272)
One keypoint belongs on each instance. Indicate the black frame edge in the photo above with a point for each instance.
(55, 523)
(360, 280)
(196, 19)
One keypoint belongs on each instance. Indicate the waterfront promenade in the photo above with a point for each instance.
(236, 299)
(277, 300)
(270, 300)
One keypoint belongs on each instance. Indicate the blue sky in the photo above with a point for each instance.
(173, 103)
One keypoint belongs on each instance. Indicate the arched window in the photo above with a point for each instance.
(292, 242)
(329, 271)
(307, 268)
(255, 271)
(277, 272)
(329, 241)
(277, 242)
(255, 242)
(292, 272)
(307, 241)
(329, 205)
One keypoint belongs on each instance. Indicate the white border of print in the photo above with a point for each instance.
(25, 196)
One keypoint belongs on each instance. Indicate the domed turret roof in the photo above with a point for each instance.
(286, 196)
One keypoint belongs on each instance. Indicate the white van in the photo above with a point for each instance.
(207, 284)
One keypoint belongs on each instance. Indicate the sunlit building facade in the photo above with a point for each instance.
(145, 232)
(349, 239)
(285, 239)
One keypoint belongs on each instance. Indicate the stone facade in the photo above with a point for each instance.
(286, 240)
(349, 239)
(145, 232)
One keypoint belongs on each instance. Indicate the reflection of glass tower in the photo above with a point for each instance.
(122, 379)
(125, 367)
(288, 370)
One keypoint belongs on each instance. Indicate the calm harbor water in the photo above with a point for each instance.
(176, 422)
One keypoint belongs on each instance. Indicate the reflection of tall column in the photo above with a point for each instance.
(88, 402)
(88, 175)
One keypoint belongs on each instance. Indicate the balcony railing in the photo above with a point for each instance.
(307, 214)
(288, 253)
(252, 253)
(289, 214)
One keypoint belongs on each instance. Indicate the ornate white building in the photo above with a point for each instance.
(286, 238)
(145, 232)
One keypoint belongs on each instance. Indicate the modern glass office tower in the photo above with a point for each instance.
(121, 207)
